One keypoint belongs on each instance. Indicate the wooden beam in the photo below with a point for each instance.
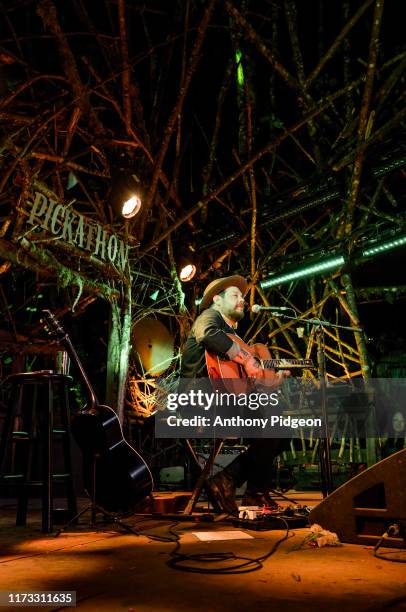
(45, 264)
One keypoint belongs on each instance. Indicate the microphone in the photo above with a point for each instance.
(257, 308)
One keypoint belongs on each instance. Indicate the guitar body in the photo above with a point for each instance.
(222, 368)
(119, 475)
(226, 369)
(122, 478)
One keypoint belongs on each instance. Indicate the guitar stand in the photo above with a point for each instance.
(96, 509)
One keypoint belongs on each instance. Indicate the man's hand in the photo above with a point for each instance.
(269, 378)
(250, 365)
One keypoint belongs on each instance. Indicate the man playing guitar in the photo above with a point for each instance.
(221, 308)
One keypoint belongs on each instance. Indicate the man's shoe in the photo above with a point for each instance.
(223, 487)
(259, 499)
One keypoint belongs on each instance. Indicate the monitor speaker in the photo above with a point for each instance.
(362, 509)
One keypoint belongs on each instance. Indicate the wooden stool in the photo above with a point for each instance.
(37, 419)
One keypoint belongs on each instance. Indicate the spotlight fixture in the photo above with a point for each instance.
(131, 207)
(125, 197)
(187, 272)
(311, 269)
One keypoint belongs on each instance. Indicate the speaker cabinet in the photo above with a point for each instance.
(362, 509)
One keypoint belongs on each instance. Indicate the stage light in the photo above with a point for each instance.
(187, 272)
(310, 270)
(131, 207)
(126, 194)
(375, 249)
(240, 70)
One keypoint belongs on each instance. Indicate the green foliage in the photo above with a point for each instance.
(77, 395)
(66, 277)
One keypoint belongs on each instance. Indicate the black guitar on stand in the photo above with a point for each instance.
(116, 476)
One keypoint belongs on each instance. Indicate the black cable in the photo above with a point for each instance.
(178, 559)
(386, 558)
(395, 530)
(248, 564)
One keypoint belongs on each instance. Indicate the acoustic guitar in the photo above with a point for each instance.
(122, 478)
(226, 369)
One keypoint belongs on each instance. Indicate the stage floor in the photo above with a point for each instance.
(113, 570)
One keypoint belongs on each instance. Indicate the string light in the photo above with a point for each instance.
(309, 270)
(384, 246)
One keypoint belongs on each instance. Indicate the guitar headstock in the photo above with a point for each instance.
(52, 325)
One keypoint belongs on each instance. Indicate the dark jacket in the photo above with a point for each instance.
(208, 332)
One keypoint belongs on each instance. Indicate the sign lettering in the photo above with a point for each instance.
(75, 229)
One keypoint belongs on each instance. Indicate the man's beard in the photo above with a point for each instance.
(235, 315)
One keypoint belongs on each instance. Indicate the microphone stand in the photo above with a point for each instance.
(326, 472)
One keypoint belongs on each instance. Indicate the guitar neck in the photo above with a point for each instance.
(91, 396)
(287, 364)
(275, 364)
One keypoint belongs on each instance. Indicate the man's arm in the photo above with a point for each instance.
(248, 362)
(209, 332)
(269, 378)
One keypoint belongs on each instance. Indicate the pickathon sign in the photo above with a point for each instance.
(75, 229)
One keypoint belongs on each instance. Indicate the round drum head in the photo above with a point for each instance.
(153, 344)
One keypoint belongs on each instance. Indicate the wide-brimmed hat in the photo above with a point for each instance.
(219, 285)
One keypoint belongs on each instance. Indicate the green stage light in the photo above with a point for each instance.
(240, 70)
(384, 246)
(309, 270)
